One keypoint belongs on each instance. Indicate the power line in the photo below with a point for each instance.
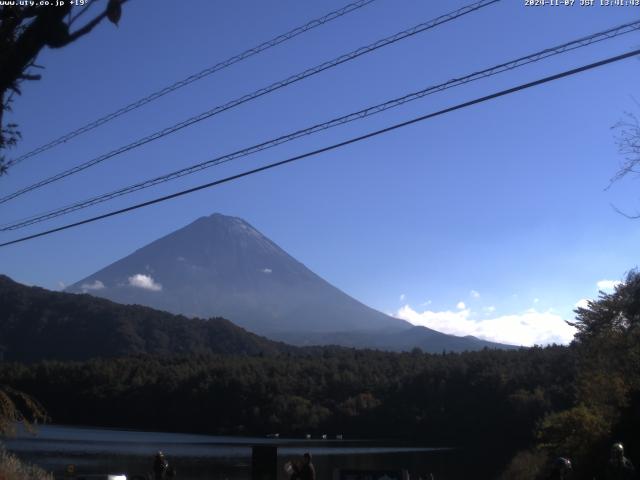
(334, 146)
(194, 78)
(258, 93)
(488, 72)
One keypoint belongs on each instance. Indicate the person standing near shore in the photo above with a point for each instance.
(561, 469)
(307, 471)
(301, 471)
(619, 467)
(160, 466)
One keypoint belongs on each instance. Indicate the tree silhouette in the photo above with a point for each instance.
(24, 32)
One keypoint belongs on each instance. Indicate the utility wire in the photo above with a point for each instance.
(335, 146)
(258, 93)
(488, 72)
(194, 78)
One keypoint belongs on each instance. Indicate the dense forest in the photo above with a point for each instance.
(530, 405)
(450, 399)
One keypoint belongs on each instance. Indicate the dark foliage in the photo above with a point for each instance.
(18, 408)
(24, 31)
(605, 404)
(451, 399)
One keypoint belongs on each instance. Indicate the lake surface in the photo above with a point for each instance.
(199, 457)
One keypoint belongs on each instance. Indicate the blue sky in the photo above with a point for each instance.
(506, 199)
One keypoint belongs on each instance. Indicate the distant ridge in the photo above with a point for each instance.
(426, 339)
(38, 324)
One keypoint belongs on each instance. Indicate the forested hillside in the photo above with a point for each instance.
(40, 324)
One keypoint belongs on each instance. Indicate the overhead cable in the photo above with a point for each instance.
(258, 93)
(193, 78)
(335, 146)
(487, 72)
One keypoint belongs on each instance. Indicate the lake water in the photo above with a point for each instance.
(199, 457)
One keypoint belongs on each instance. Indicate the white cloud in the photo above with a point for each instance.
(461, 306)
(489, 309)
(536, 300)
(424, 304)
(96, 285)
(61, 285)
(402, 297)
(608, 286)
(145, 282)
(474, 294)
(528, 328)
(266, 270)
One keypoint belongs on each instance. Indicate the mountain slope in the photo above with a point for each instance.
(38, 324)
(222, 266)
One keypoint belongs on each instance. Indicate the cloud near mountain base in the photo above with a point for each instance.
(96, 285)
(529, 328)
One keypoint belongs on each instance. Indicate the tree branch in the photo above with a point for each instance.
(86, 29)
(91, 25)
